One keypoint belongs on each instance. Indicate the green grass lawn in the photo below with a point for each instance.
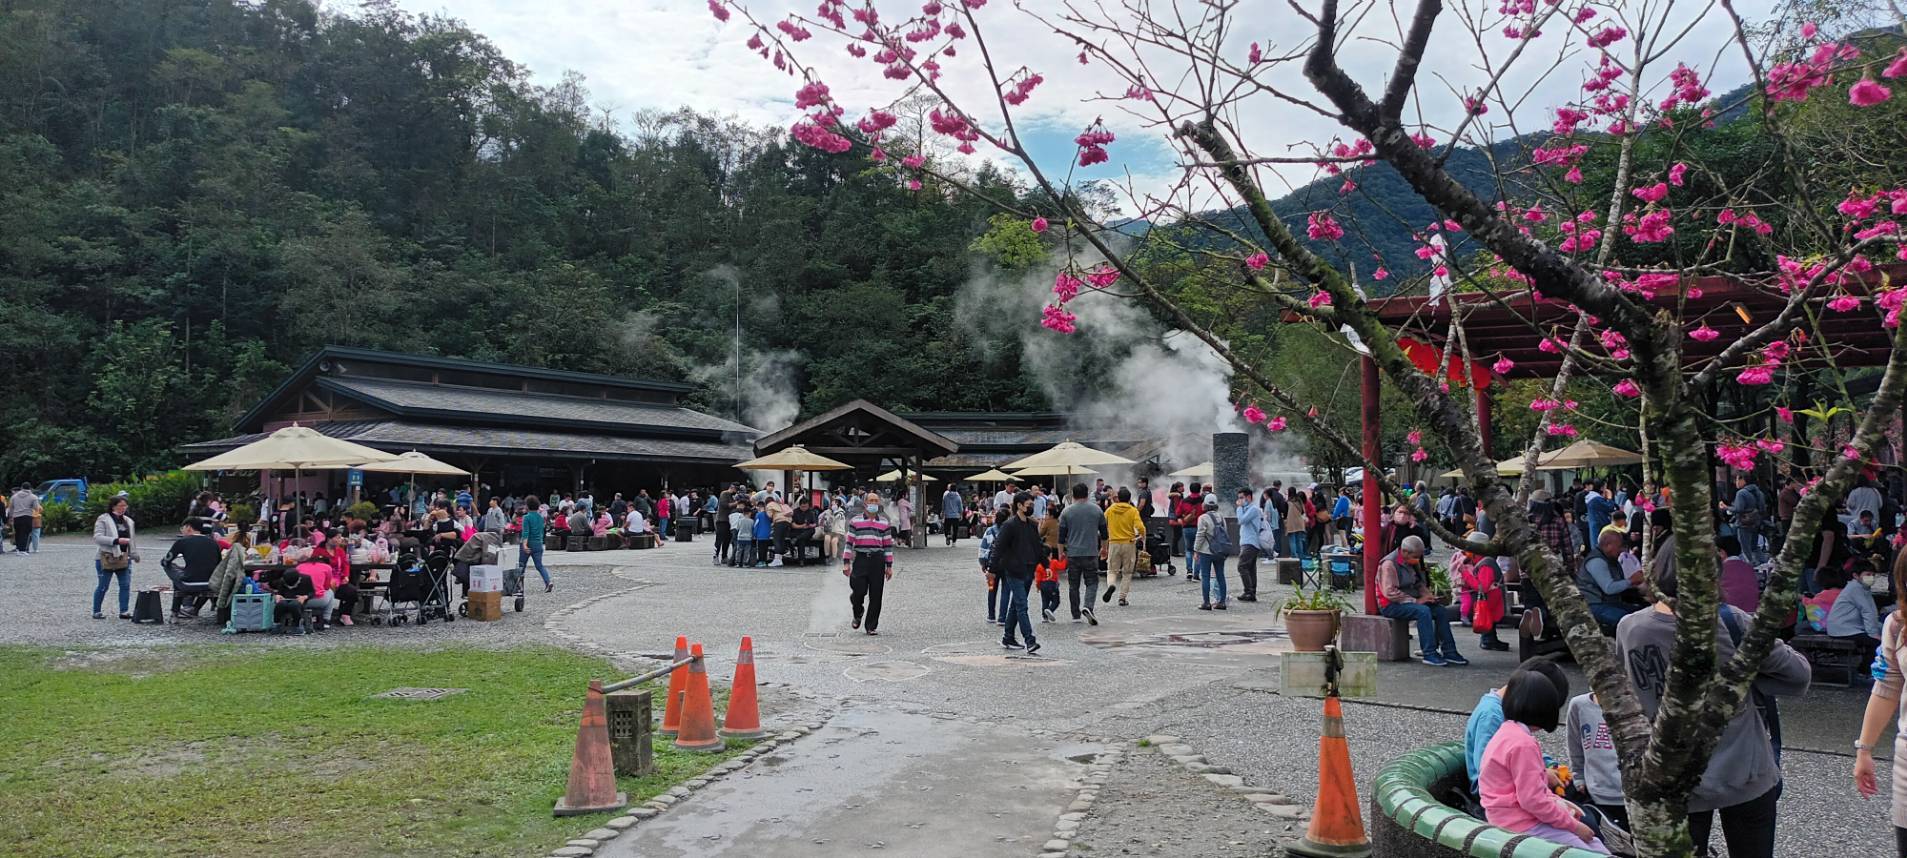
(231, 750)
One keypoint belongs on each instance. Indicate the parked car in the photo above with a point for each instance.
(70, 491)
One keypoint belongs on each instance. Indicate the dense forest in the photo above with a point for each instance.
(197, 194)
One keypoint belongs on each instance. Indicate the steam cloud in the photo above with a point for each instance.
(1163, 385)
(768, 400)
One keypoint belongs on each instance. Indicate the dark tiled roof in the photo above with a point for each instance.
(1039, 439)
(420, 399)
(981, 460)
(398, 436)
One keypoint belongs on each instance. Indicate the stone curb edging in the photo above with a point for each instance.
(594, 839)
(1068, 825)
(1274, 804)
(1401, 798)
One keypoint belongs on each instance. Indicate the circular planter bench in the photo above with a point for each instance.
(1407, 820)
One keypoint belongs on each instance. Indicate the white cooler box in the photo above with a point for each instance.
(486, 579)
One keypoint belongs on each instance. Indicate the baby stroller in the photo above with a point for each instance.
(424, 586)
(1158, 553)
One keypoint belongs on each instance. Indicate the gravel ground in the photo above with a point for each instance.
(1152, 806)
(48, 601)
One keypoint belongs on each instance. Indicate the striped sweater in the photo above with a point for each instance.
(869, 536)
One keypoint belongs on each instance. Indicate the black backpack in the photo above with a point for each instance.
(1764, 703)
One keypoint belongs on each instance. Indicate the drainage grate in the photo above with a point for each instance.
(419, 693)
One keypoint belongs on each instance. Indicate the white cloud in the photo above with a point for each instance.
(664, 54)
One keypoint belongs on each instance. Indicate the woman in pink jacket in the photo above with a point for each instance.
(1512, 783)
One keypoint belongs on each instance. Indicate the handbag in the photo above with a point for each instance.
(114, 561)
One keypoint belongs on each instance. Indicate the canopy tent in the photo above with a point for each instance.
(1202, 469)
(1066, 454)
(994, 475)
(794, 458)
(894, 476)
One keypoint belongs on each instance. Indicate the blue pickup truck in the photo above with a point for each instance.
(71, 492)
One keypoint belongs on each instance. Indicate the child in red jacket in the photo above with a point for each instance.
(1046, 575)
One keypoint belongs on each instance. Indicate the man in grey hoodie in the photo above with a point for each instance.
(1743, 779)
(1082, 532)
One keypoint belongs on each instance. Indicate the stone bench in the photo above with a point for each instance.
(1408, 820)
(1389, 638)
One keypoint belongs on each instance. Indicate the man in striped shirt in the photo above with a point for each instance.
(868, 561)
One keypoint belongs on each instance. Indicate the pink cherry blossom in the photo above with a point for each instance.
(1867, 93)
(1756, 375)
(1897, 68)
(1848, 452)
(1381, 273)
(1318, 299)
(914, 161)
(1844, 303)
(1256, 55)
(1321, 226)
(719, 10)
(1039, 224)
(1549, 345)
(1419, 455)
(1257, 261)
(1414, 437)
(1543, 404)
(1652, 193)
(1254, 415)
(1738, 456)
(1678, 174)
(1771, 446)
(1066, 286)
(1276, 424)
(1502, 366)
(1626, 387)
(913, 184)
(1055, 318)
(1784, 414)
(1563, 430)
(1102, 276)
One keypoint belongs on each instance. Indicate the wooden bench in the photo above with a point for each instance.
(1387, 637)
(1828, 653)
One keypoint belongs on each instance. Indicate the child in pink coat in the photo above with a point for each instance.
(1515, 792)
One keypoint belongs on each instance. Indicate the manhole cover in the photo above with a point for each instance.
(419, 693)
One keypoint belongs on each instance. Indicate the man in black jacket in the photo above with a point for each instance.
(201, 555)
(1016, 550)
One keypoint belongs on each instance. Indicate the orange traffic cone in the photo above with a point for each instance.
(678, 680)
(743, 720)
(1337, 827)
(592, 774)
(697, 731)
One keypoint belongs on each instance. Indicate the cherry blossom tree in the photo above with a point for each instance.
(1621, 255)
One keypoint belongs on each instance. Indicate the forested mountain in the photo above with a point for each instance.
(198, 194)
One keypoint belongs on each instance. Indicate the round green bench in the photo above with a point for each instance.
(1407, 820)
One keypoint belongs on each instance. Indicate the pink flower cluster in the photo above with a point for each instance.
(1257, 261)
(1321, 226)
(1102, 276)
(1726, 217)
(1704, 334)
(1318, 299)
(1687, 83)
(1039, 225)
(1017, 91)
(1626, 387)
(1055, 318)
(793, 30)
(1741, 457)
(1868, 92)
(811, 132)
(1580, 236)
(1562, 430)
(1607, 36)
(1651, 228)
(1502, 366)
(1276, 424)
(1066, 285)
(1092, 144)
(1254, 415)
(1793, 81)
(1419, 455)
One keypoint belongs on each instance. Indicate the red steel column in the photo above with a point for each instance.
(1483, 422)
(1373, 503)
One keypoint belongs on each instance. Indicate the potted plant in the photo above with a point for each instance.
(1311, 617)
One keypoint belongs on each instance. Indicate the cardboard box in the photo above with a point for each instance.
(486, 579)
(485, 606)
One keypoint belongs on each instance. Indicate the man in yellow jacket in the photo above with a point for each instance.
(1125, 538)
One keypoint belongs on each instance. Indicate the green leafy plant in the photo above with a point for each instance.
(160, 498)
(362, 510)
(58, 517)
(1438, 579)
(241, 515)
(1320, 598)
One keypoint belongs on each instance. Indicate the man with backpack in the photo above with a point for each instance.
(1749, 510)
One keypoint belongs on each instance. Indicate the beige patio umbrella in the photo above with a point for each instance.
(994, 475)
(1588, 454)
(794, 458)
(414, 463)
(894, 476)
(1202, 469)
(1064, 455)
(1055, 471)
(296, 447)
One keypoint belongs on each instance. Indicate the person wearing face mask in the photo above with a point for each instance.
(868, 563)
(1017, 549)
(1853, 616)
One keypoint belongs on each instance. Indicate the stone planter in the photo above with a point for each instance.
(1407, 820)
(1311, 630)
(598, 543)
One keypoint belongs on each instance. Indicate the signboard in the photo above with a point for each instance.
(354, 478)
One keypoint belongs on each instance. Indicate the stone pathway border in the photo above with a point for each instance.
(1097, 772)
(587, 844)
(1275, 804)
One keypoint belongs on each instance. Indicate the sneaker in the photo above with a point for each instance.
(345, 620)
(548, 586)
(1012, 645)
(1033, 648)
(1435, 661)
(1456, 660)
(125, 616)
(856, 624)
(1122, 603)
(1090, 618)
(1221, 607)
(872, 632)
(98, 616)
(1109, 591)
(1047, 616)
(776, 564)
(1613, 836)
(1205, 607)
